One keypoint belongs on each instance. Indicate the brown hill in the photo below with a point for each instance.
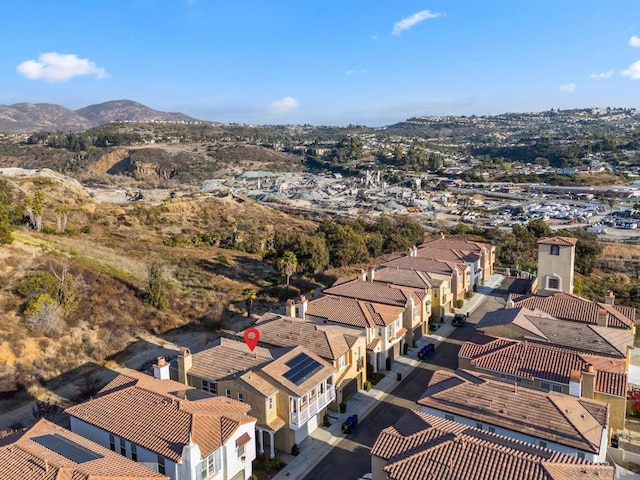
(128, 111)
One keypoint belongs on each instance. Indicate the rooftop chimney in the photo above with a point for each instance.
(303, 307)
(184, 364)
(575, 383)
(363, 275)
(290, 309)
(442, 235)
(509, 303)
(609, 298)
(588, 381)
(414, 251)
(161, 369)
(372, 273)
(602, 317)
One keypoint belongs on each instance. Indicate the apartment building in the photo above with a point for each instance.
(49, 452)
(287, 389)
(420, 445)
(171, 428)
(551, 368)
(563, 423)
(343, 347)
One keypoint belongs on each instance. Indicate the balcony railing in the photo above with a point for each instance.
(314, 406)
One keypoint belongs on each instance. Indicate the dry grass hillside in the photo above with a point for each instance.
(209, 248)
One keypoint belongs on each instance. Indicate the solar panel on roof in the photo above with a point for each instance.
(67, 448)
(301, 367)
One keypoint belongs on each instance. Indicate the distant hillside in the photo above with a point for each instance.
(45, 117)
(29, 117)
(128, 111)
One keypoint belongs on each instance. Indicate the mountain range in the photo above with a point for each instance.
(30, 117)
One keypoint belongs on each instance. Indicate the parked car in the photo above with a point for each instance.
(350, 424)
(459, 320)
(426, 350)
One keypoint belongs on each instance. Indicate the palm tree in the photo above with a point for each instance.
(287, 264)
(250, 295)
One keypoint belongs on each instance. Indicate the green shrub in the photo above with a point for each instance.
(367, 386)
(459, 303)
(470, 294)
(342, 407)
(325, 421)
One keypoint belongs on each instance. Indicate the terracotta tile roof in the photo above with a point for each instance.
(374, 343)
(422, 446)
(226, 358)
(560, 241)
(555, 417)
(572, 307)
(327, 341)
(378, 292)
(403, 276)
(449, 254)
(158, 415)
(24, 457)
(428, 265)
(544, 362)
(455, 244)
(356, 313)
(536, 325)
(276, 369)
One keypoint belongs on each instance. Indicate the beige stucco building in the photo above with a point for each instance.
(556, 259)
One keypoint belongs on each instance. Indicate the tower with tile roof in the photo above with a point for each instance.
(556, 258)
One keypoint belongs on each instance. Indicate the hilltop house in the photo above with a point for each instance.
(173, 429)
(288, 389)
(421, 445)
(49, 452)
(343, 347)
(559, 422)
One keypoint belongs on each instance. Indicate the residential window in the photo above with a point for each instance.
(581, 455)
(240, 451)
(557, 388)
(211, 387)
(416, 311)
(112, 442)
(134, 452)
(545, 385)
(161, 467)
(448, 417)
(228, 393)
(270, 403)
(123, 447)
(341, 362)
(435, 294)
(240, 397)
(479, 425)
(553, 282)
(491, 429)
(380, 332)
(554, 250)
(543, 444)
(211, 464)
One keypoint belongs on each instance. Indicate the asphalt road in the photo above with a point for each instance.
(350, 458)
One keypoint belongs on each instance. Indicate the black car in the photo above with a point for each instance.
(459, 320)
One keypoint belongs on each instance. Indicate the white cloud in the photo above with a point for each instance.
(59, 67)
(634, 41)
(362, 71)
(633, 72)
(568, 88)
(408, 22)
(285, 104)
(602, 75)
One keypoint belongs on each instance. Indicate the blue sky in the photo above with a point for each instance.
(335, 62)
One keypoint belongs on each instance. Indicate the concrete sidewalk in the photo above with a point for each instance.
(320, 442)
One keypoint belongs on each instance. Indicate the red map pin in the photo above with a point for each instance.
(251, 337)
